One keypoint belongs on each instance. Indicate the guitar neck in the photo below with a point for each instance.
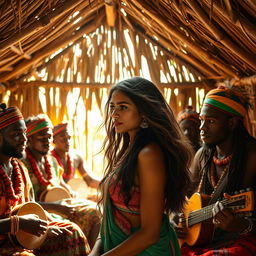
(205, 213)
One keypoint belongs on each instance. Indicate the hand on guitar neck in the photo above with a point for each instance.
(196, 225)
(225, 218)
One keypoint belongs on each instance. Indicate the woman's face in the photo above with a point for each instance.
(125, 114)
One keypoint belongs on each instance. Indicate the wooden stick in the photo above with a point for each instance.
(110, 7)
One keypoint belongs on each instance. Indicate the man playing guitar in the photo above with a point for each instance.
(225, 164)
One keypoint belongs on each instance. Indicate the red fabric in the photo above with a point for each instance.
(118, 199)
(119, 205)
(243, 246)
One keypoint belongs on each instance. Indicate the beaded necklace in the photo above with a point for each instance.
(13, 189)
(223, 161)
(213, 175)
(36, 170)
(69, 173)
(213, 171)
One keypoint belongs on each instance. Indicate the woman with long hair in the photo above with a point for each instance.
(146, 174)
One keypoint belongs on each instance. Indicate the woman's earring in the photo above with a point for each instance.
(144, 124)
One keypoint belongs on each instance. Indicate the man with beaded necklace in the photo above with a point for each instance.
(69, 159)
(16, 189)
(225, 164)
(45, 173)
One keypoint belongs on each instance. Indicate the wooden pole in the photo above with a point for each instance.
(110, 7)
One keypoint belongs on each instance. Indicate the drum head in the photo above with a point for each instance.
(25, 239)
(56, 194)
(79, 186)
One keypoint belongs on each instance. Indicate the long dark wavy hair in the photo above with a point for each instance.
(163, 130)
(240, 139)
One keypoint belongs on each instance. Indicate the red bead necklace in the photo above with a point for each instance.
(69, 173)
(13, 189)
(36, 170)
(223, 161)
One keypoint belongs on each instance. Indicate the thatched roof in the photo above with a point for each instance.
(51, 49)
(213, 39)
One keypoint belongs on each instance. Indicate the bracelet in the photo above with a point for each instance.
(249, 228)
(14, 224)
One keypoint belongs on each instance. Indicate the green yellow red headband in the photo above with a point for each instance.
(38, 125)
(226, 100)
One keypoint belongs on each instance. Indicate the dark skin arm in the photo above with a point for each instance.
(227, 219)
(195, 173)
(63, 209)
(29, 223)
(81, 167)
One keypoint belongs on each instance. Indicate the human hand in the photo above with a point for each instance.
(226, 218)
(179, 223)
(56, 231)
(66, 209)
(32, 224)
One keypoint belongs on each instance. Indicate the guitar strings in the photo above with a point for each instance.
(206, 212)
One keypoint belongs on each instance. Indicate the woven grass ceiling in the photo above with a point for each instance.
(202, 38)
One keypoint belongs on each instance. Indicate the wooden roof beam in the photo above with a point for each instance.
(51, 48)
(43, 21)
(67, 86)
(247, 57)
(191, 46)
(6, 69)
(110, 7)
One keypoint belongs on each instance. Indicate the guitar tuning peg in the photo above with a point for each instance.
(236, 192)
(248, 189)
(242, 191)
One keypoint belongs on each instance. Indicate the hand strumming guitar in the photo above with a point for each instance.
(226, 219)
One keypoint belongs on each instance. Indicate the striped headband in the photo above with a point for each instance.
(38, 125)
(188, 113)
(226, 100)
(9, 116)
(59, 128)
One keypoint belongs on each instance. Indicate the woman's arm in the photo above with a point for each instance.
(152, 175)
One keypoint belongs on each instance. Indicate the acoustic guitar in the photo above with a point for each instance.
(198, 219)
(25, 239)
